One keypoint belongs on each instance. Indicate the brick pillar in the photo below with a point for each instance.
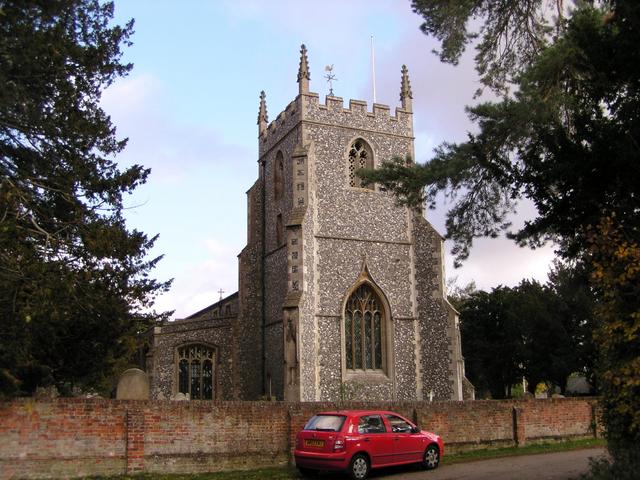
(135, 441)
(596, 420)
(518, 426)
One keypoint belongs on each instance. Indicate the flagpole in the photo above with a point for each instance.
(373, 69)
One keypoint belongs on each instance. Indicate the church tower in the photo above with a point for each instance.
(341, 290)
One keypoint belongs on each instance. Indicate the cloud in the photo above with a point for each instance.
(496, 261)
(128, 96)
(195, 192)
(142, 108)
(191, 118)
(197, 284)
(500, 261)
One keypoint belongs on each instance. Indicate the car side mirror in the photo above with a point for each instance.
(415, 429)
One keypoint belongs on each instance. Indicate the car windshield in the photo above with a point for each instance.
(326, 423)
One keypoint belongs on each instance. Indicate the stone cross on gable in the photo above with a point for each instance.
(221, 291)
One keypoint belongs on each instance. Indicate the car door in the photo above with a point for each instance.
(376, 439)
(407, 446)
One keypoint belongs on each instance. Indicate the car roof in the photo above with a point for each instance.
(356, 413)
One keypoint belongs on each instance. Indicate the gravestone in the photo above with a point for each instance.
(133, 385)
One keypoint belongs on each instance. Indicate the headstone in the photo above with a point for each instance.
(133, 385)
(46, 393)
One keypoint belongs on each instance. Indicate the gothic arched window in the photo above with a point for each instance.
(196, 371)
(278, 176)
(364, 330)
(360, 156)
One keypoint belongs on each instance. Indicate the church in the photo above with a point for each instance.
(341, 291)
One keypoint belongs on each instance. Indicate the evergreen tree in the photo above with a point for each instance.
(548, 348)
(491, 335)
(575, 307)
(525, 331)
(567, 138)
(615, 256)
(74, 280)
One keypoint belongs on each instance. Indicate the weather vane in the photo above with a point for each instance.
(330, 78)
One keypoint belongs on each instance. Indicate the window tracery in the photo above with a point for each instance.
(364, 330)
(196, 371)
(360, 156)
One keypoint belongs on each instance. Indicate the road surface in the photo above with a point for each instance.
(548, 466)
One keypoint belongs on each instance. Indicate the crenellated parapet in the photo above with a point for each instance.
(358, 116)
(308, 108)
(275, 131)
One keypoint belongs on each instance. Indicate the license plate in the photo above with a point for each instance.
(314, 443)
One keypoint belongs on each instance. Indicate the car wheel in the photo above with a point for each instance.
(307, 472)
(431, 458)
(359, 467)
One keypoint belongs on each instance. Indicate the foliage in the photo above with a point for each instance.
(567, 138)
(457, 295)
(546, 345)
(530, 331)
(615, 255)
(511, 34)
(576, 307)
(491, 341)
(605, 469)
(527, 449)
(74, 281)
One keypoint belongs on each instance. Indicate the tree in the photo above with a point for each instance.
(74, 281)
(549, 343)
(491, 341)
(536, 320)
(524, 331)
(567, 138)
(615, 256)
(576, 305)
(457, 295)
(512, 34)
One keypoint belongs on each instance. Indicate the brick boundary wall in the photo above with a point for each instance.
(67, 438)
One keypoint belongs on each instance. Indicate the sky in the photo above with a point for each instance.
(189, 109)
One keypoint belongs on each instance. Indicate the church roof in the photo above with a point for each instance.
(200, 313)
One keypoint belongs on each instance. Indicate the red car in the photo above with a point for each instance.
(358, 440)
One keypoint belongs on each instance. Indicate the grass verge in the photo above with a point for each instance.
(272, 473)
(290, 473)
(532, 449)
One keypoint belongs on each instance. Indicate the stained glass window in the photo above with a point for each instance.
(196, 371)
(364, 330)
